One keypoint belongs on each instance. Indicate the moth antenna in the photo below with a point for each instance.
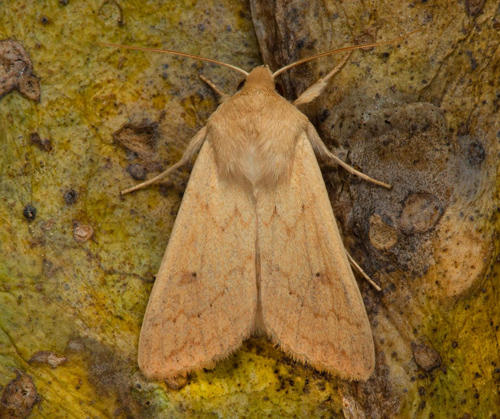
(180, 54)
(325, 54)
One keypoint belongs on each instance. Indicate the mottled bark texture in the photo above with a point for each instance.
(78, 261)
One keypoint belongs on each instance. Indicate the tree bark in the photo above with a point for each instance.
(79, 260)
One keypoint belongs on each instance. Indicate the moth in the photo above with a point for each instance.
(255, 247)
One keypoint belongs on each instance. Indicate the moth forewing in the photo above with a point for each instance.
(204, 299)
(311, 303)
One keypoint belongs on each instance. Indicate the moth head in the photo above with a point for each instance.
(260, 77)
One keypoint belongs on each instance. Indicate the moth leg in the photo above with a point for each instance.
(322, 150)
(192, 148)
(360, 270)
(178, 382)
(317, 88)
(223, 96)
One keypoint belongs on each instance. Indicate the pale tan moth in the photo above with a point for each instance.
(255, 247)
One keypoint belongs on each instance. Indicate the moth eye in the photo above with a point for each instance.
(279, 89)
(242, 83)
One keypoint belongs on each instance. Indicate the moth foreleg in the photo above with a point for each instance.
(317, 88)
(222, 96)
(322, 150)
(192, 148)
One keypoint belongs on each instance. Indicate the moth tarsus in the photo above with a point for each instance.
(255, 246)
(362, 272)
